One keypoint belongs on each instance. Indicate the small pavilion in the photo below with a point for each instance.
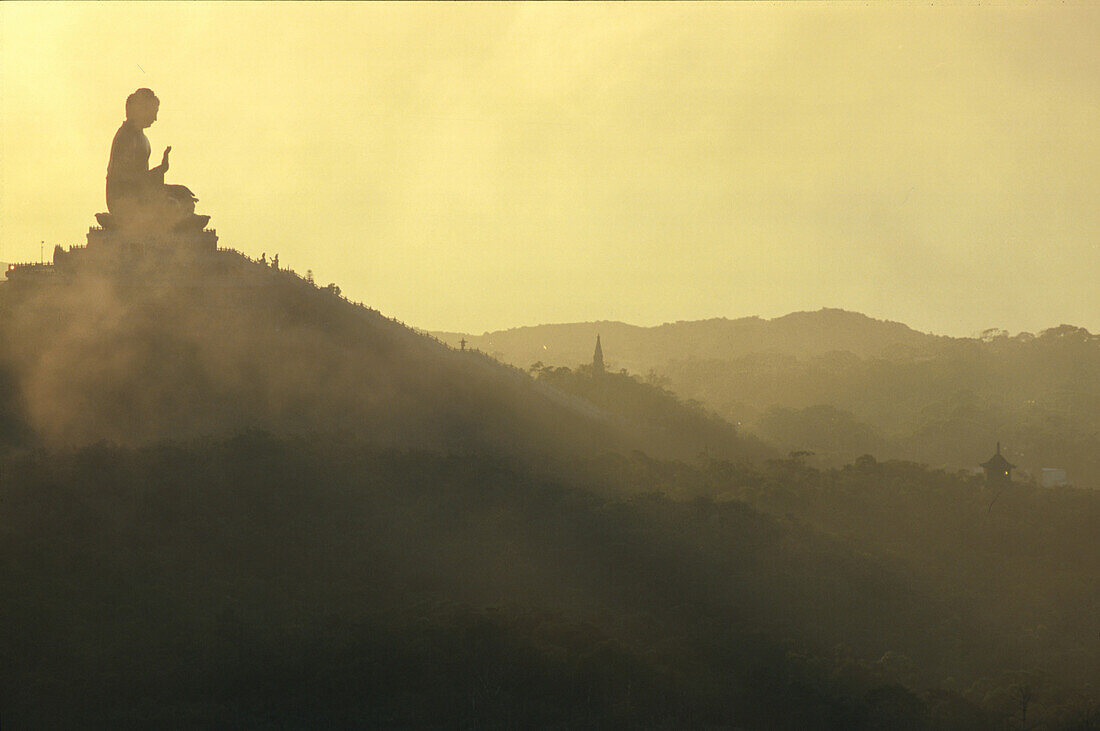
(997, 468)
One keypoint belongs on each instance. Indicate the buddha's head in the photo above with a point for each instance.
(142, 107)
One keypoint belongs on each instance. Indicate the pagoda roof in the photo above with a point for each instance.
(998, 462)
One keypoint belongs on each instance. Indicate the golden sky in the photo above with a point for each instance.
(481, 166)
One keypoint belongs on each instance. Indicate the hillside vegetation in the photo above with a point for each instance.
(259, 581)
(1039, 396)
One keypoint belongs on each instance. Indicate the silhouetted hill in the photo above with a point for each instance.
(312, 515)
(141, 355)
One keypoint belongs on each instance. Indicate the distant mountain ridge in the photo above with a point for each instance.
(841, 384)
(640, 348)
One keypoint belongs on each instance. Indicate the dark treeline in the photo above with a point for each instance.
(262, 581)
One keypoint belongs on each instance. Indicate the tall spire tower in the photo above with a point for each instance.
(597, 357)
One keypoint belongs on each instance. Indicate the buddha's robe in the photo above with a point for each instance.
(136, 194)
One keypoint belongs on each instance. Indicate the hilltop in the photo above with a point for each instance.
(215, 344)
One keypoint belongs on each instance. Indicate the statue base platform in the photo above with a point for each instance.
(162, 244)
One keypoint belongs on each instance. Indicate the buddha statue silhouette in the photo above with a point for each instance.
(137, 197)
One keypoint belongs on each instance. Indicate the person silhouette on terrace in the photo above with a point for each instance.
(137, 196)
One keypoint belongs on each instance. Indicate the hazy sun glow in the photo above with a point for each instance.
(473, 167)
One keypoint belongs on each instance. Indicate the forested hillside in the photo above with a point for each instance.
(258, 581)
(1038, 395)
(661, 421)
